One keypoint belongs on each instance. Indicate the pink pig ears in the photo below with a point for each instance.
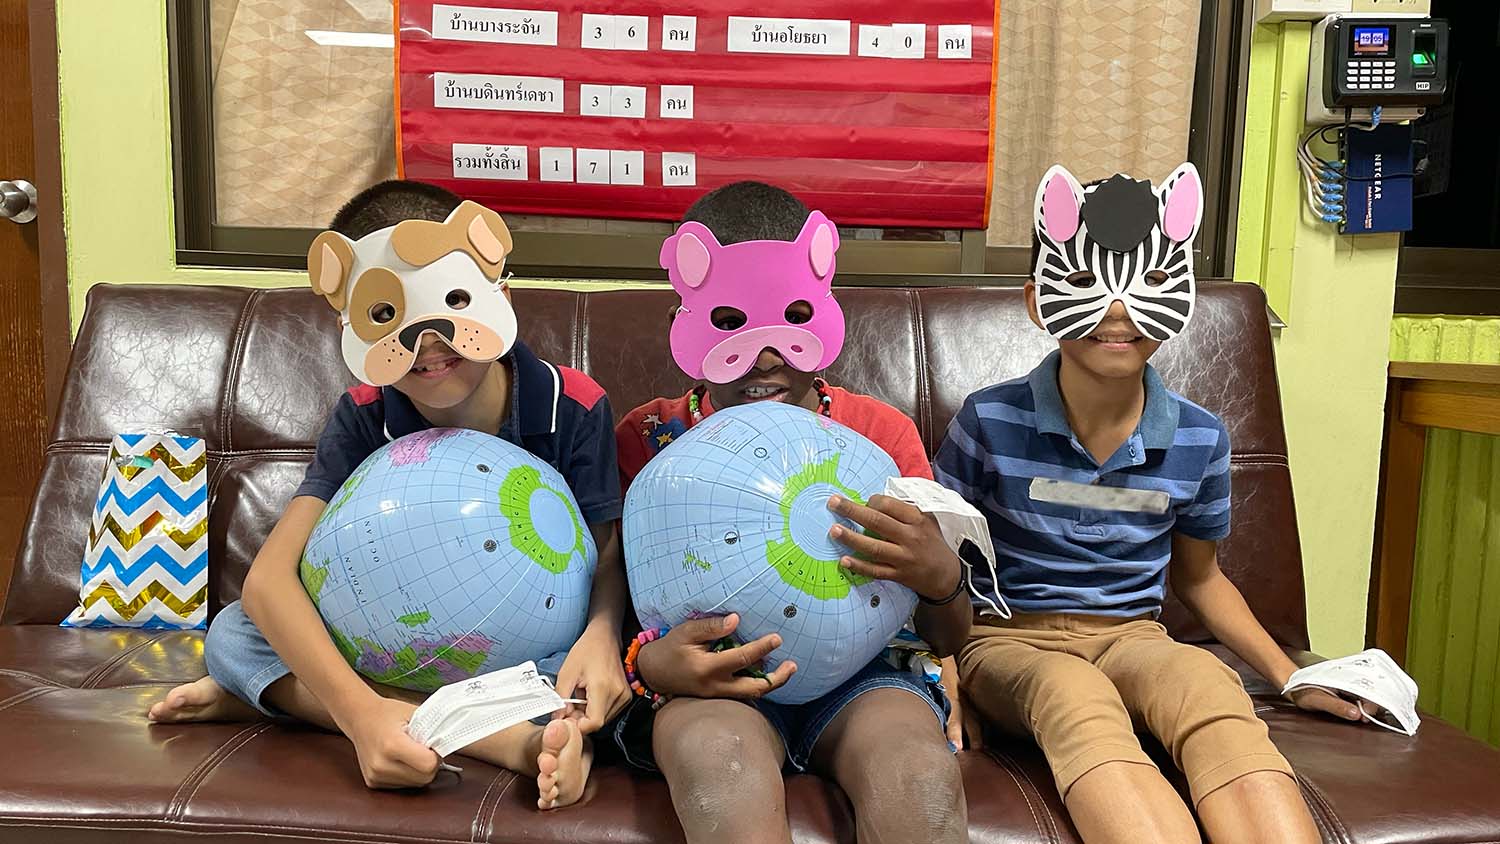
(1059, 204)
(1182, 209)
(688, 254)
(821, 238)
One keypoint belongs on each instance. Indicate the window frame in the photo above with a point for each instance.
(1442, 280)
(1214, 145)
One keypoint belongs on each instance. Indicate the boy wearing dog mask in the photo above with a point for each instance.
(417, 278)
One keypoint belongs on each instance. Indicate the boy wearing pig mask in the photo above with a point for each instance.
(757, 321)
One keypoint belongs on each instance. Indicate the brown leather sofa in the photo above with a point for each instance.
(255, 372)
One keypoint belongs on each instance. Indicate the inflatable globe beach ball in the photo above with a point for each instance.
(733, 517)
(450, 553)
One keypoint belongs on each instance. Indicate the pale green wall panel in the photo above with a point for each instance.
(1453, 645)
(1441, 339)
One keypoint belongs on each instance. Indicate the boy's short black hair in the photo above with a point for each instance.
(749, 211)
(388, 203)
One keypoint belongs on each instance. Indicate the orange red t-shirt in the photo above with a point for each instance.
(653, 426)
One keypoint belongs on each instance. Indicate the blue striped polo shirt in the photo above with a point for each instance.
(1056, 557)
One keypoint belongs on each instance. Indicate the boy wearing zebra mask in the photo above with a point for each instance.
(1098, 485)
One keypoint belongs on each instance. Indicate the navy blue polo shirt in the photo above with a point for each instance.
(558, 414)
(1065, 548)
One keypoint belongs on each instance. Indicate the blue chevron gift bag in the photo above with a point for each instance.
(146, 564)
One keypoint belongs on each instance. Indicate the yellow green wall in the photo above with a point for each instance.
(117, 154)
(1453, 643)
(1335, 293)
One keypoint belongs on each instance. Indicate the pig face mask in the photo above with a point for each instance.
(754, 284)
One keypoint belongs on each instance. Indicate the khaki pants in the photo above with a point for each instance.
(1082, 685)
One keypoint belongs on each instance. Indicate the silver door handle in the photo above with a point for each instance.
(18, 201)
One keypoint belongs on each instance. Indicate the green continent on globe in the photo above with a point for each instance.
(515, 502)
(415, 619)
(822, 579)
(421, 665)
(313, 578)
(346, 492)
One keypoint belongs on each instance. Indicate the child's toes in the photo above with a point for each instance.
(200, 700)
(568, 757)
(551, 760)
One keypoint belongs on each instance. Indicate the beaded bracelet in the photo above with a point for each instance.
(632, 653)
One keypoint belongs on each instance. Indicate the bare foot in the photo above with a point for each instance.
(564, 764)
(201, 700)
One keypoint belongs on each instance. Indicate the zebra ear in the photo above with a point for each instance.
(1059, 205)
(1181, 199)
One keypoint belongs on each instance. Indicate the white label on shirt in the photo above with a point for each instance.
(677, 101)
(804, 36)
(487, 161)
(500, 26)
(955, 41)
(1099, 497)
(679, 33)
(497, 93)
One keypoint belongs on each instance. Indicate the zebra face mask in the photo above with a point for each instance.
(1119, 240)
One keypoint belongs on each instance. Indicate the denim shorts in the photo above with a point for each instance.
(800, 725)
(244, 664)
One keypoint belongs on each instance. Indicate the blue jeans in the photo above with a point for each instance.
(244, 664)
(800, 725)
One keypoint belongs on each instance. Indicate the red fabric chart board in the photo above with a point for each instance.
(876, 112)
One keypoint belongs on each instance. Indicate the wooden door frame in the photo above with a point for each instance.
(57, 335)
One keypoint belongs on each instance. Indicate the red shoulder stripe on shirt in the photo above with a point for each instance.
(364, 394)
(887, 427)
(580, 388)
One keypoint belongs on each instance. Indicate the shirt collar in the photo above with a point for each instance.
(535, 390)
(1158, 426)
(1159, 418)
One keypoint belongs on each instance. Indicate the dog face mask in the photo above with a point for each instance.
(1120, 240)
(761, 280)
(397, 285)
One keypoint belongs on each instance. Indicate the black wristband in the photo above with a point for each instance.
(958, 589)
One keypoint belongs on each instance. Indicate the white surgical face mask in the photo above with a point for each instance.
(1371, 676)
(459, 714)
(959, 522)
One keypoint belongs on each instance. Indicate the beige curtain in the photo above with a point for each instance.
(298, 127)
(1101, 85)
